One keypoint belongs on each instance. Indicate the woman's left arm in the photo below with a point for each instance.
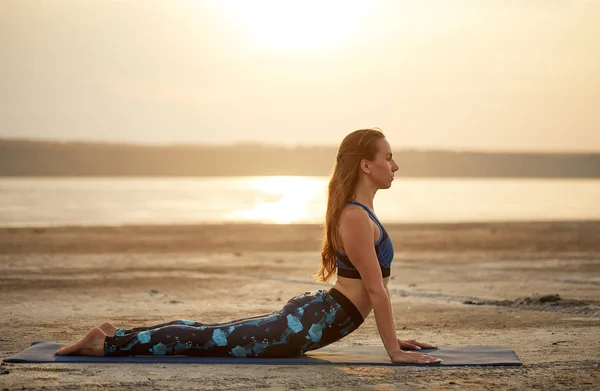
(411, 344)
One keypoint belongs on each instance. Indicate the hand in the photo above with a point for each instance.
(414, 345)
(413, 358)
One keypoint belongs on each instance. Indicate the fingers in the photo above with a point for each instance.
(423, 345)
(425, 359)
(414, 358)
(427, 346)
(408, 345)
(415, 345)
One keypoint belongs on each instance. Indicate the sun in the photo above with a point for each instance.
(290, 24)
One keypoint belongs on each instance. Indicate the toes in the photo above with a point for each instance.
(90, 345)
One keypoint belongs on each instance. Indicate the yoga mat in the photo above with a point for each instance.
(43, 352)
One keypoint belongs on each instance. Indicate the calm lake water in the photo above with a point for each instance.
(118, 201)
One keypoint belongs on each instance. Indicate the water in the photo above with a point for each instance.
(118, 201)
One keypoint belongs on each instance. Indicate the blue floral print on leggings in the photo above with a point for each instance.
(307, 322)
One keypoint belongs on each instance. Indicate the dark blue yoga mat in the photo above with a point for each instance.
(43, 352)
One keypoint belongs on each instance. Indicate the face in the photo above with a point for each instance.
(382, 168)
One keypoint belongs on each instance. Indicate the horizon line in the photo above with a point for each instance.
(286, 146)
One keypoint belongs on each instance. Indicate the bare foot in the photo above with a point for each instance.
(90, 345)
(108, 328)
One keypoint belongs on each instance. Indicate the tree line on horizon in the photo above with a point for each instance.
(50, 158)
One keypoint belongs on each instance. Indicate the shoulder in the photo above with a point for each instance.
(353, 212)
(354, 217)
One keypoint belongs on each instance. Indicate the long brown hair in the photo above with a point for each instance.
(358, 145)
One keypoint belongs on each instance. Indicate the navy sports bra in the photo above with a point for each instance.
(383, 248)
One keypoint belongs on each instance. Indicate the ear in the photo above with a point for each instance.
(364, 166)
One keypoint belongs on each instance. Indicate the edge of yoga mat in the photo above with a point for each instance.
(43, 352)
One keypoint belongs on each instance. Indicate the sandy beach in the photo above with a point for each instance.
(452, 284)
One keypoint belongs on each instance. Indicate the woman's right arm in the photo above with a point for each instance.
(357, 232)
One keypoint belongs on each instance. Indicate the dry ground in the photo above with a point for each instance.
(56, 283)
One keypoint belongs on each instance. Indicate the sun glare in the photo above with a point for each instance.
(284, 200)
(286, 24)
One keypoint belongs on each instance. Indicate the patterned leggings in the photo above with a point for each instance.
(306, 322)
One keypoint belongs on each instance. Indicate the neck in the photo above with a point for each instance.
(365, 194)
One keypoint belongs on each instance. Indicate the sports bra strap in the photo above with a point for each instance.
(371, 215)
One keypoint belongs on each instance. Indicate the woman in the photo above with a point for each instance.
(354, 243)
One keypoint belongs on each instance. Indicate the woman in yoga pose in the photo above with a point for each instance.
(355, 244)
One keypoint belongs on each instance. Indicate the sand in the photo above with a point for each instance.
(453, 284)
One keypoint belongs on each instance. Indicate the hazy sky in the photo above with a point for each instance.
(478, 74)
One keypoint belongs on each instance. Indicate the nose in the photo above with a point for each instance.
(395, 167)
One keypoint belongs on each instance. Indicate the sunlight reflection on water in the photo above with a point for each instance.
(285, 199)
(292, 199)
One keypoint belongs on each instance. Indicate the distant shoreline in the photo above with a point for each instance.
(24, 158)
(540, 236)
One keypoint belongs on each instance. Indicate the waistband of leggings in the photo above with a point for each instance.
(347, 305)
